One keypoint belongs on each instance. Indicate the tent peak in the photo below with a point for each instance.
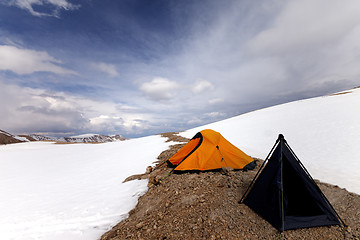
(281, 137)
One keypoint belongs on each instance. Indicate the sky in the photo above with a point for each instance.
(141, 67)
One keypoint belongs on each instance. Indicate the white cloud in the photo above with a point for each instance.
(25, 61)
(109, 123)
(35, 110)
(215, 114)
(202, 86)
(194, 120)
(109, 69)
(216, 100)
(105, 123)
(56, 6)
(159, 88)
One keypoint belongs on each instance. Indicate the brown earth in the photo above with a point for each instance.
(205, 206)
(5, 139)
(28, 138)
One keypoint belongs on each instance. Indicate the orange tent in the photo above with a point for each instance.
(209, 150)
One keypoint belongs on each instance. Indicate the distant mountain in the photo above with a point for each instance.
(87, 138)
(7, 138)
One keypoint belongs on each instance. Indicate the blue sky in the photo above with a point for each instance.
(139, 67)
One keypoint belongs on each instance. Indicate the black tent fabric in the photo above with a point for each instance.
(285, 194)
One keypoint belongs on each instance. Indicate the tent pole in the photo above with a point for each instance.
(261, 167)
(306, 171)
(282, 140)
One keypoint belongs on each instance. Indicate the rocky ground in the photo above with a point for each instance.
(205, 206)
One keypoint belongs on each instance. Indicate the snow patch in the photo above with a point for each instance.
(84, 135)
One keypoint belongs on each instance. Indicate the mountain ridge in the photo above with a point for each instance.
(8, 138)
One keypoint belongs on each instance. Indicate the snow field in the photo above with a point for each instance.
(71, 191)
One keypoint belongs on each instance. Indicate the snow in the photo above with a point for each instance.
(84, 135)
(23, 139)
(76, 191)
(5, 133)
(71, 191)
(324, 133)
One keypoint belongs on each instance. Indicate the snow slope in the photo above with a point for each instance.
(72, 191)
(324, 133)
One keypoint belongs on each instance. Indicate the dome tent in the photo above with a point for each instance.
(209, 150)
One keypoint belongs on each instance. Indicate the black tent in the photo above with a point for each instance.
(286, 195)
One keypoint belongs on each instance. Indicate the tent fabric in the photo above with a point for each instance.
(286, 196)
(209, 150)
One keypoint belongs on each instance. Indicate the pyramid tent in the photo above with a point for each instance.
(209, 150)
(286, 195)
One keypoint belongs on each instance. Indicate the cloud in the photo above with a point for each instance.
(28, 110)
(25, 61)
(105, 122)
(307, 24)
(194, 121)
(258, 53)
(53, 6)
(127, 124)
(311, 45)
(159, 89)
(109, 69)
(202, 86)
(216, 100)
(215, 114)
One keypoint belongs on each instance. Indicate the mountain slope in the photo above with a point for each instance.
(324, 132)
(7, 138)
(86, 138)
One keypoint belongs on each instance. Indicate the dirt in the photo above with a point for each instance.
(205, 205)
(5, 139)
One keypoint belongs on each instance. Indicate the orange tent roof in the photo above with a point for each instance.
(209, 150)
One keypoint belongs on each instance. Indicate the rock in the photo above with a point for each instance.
(155, 180)
(149, 169)
(139, 225)
(226, 170)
